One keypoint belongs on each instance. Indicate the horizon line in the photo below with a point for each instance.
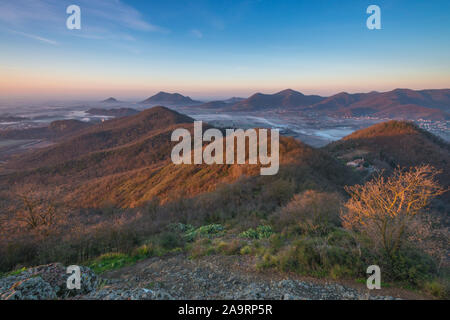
(198, 97)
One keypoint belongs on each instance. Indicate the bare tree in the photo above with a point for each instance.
(384, 208)
(35, 208)
(37, 212)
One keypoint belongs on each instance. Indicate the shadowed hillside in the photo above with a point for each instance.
(395, 143)
(55, 131)
(103, 136)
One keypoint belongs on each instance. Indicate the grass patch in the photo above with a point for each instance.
(13, 273)
(111, 261)
(117, 260)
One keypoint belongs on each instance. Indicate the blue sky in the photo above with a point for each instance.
(211, 49)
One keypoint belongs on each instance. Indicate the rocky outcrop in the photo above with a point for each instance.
(44, 283)
(172, 278)
(217, 278)
(29, 289)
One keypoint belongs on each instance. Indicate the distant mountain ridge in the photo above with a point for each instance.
(234, 100)
(399, 103)
(406, 104)
(110, 100)
(219, 104)
(170, 99)
(284, 99)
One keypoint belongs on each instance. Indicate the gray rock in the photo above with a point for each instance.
(34, 288)
(45, 282)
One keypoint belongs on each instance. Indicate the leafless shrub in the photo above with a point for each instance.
(384, 208)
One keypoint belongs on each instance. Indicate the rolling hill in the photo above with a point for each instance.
(301, 164)
(400, 103)
(169, 99)
(234, 100)
(395, 143)
(220, 104)
(286, 99)
(103, 136)
(57, 130)
(127, 162)
(110, 100)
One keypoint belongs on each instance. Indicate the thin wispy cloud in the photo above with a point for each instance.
(101, 19)
(23, 12)
(35, 37)
(119, 13)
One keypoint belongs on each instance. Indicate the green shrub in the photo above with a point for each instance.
(229, 248)
(144, 251)
(438, 288)
(314, 257)
(410, 266)
(210, 230)
(245, 250)
(268, 261)
(149, 250)
(261, 232)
